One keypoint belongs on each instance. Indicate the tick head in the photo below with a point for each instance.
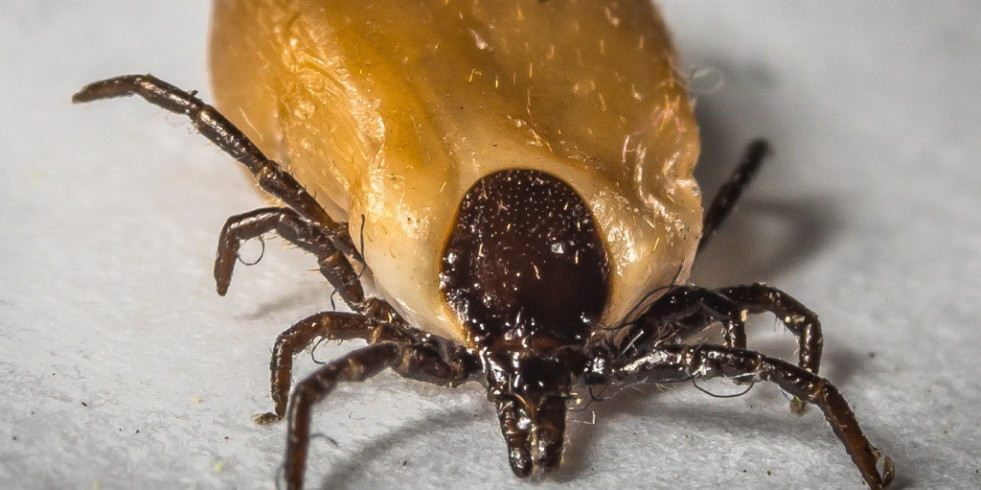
(530, 390)
(528, 274)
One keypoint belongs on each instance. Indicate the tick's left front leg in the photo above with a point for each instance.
(680, 313)
(727, 196)
(686, 310)
(673, 363)
(801, 321)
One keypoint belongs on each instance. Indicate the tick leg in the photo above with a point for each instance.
(210, 123)
(680, 313)
(328, 325)
(356, 366)
(688, 309)
(725, 199)
(672, 363)
(296, 230)
(415, 361)
(429, 360)
(802, 322)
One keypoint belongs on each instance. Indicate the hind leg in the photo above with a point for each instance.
(268, 174)
(727, 196)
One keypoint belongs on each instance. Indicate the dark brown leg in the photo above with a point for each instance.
(728, 194)
(682, 312)
(686, 310)
(680, 363)
(328, 325)
(421, 361)
(268, 174)
(296, 230)
(802, 322)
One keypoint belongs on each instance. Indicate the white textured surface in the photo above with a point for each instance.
(120, 367)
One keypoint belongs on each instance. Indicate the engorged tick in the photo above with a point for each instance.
(521, 176)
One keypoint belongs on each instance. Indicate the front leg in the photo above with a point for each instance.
(673, 363)
(680, 313)
(686, 310)
(801, 321)
(328, 325)
(418, 360)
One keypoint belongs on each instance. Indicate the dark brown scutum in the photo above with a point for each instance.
(525, 261)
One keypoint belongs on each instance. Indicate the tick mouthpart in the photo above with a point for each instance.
(530, 389)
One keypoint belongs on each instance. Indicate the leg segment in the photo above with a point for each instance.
(680, 313)
(269, 175)
(725, 199)
(673, 363)
(329, 325)
(802, 322)
(296, 230)
(415, 361)
(685, 310)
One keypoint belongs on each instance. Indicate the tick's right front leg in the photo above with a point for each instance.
(410, 358)
(327, 325)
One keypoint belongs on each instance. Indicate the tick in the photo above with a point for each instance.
(519, 175)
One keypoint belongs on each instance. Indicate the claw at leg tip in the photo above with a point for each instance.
(264, 418)
(797, 406)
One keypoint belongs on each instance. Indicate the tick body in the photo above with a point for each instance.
(521, 175)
